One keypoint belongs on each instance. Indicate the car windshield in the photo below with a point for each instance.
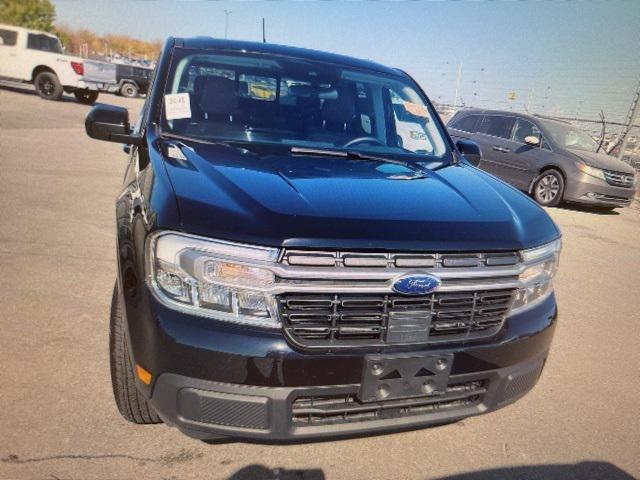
(259, 98)
(567, 136)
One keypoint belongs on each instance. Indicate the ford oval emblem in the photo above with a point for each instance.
(417, 284)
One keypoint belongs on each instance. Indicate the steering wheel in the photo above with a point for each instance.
(357, 140)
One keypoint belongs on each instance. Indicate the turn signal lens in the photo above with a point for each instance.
(227, 272)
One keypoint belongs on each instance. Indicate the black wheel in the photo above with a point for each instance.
(86, 97)
(549, 188)
(129, 90)
(131, 403)
(48, 86)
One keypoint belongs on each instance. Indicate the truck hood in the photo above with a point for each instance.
(323, 202)
(603, 161)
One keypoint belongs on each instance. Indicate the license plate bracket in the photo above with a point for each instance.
(390, 377)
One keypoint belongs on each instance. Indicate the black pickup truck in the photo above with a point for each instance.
(133, 80)
(302, 252)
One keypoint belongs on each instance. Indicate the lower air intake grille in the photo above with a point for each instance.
(328, 320)
(322, 410)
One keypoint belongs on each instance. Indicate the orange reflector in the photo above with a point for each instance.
(143, 375)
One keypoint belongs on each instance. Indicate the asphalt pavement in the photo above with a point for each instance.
(57, 415)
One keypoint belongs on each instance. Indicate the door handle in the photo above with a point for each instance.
(501, 149)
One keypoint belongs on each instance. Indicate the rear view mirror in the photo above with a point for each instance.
(470, 150)
(110, 123)
(532, 141)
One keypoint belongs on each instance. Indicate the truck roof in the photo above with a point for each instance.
(304, 53)
(27, 30)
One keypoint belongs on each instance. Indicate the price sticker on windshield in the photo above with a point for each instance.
(416, 109)
(177, 106)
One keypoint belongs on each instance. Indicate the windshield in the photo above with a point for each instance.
(567, 136)
(259, 98)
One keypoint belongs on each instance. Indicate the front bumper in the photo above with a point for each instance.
(249, 385)
(589, 190)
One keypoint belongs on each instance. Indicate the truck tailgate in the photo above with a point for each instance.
(100, 72)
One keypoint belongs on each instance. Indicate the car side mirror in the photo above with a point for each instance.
(470, 150)
(111, 124)
(532, 141)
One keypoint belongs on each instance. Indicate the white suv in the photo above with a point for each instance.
(37, 57)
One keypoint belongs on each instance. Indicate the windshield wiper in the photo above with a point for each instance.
(419, 171)
(185, 138)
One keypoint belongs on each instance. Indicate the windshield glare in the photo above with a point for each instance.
(295, 102)
(568, 137)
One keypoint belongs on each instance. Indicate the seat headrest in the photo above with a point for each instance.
(216, 95)
(340, 110)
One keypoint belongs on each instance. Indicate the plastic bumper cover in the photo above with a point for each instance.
(589, 190)
(208, 409)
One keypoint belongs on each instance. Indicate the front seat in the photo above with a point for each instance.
(338, 114)
(216, 98)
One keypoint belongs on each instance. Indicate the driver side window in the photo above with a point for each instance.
(524, 129)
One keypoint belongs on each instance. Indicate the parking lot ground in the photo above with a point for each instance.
(57, 416)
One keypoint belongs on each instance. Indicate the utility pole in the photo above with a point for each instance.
(226, 23)
(264, 35)
(631, 118)
(530, 101)
(458, 77)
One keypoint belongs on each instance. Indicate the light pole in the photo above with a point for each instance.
(226, 23)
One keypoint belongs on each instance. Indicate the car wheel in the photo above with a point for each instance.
(86, 97)
(129, 90)
(131, 403)
(48, 86)
(548, 189)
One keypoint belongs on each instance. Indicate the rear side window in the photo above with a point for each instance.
(466, 124)
(8, 38)
(258, 87)
(38, 41)
(497, 126)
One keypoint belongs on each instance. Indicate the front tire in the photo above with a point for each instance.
(48, 86)
(548, 189)
(129, 90)
(86, 97)
(131, 403)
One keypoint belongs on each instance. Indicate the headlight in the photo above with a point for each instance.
(541, 265)
(212, 278)
(594, 172)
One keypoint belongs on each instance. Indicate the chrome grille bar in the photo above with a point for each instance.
(341, 259)
(619, 179)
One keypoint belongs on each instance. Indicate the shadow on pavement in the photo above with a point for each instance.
(589, 209)
(578, 471)
(259, 472)
(27, 89)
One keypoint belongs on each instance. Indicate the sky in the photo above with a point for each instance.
(569, 58)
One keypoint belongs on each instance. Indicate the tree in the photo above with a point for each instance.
(36, 14)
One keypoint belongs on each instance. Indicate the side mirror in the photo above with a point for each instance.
(470, 150)
(110, 123)
(532, 141)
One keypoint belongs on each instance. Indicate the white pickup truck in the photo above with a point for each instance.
(31, 56)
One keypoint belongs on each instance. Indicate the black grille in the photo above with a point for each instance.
(619, 179)
(346, 408)
(327, 320)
